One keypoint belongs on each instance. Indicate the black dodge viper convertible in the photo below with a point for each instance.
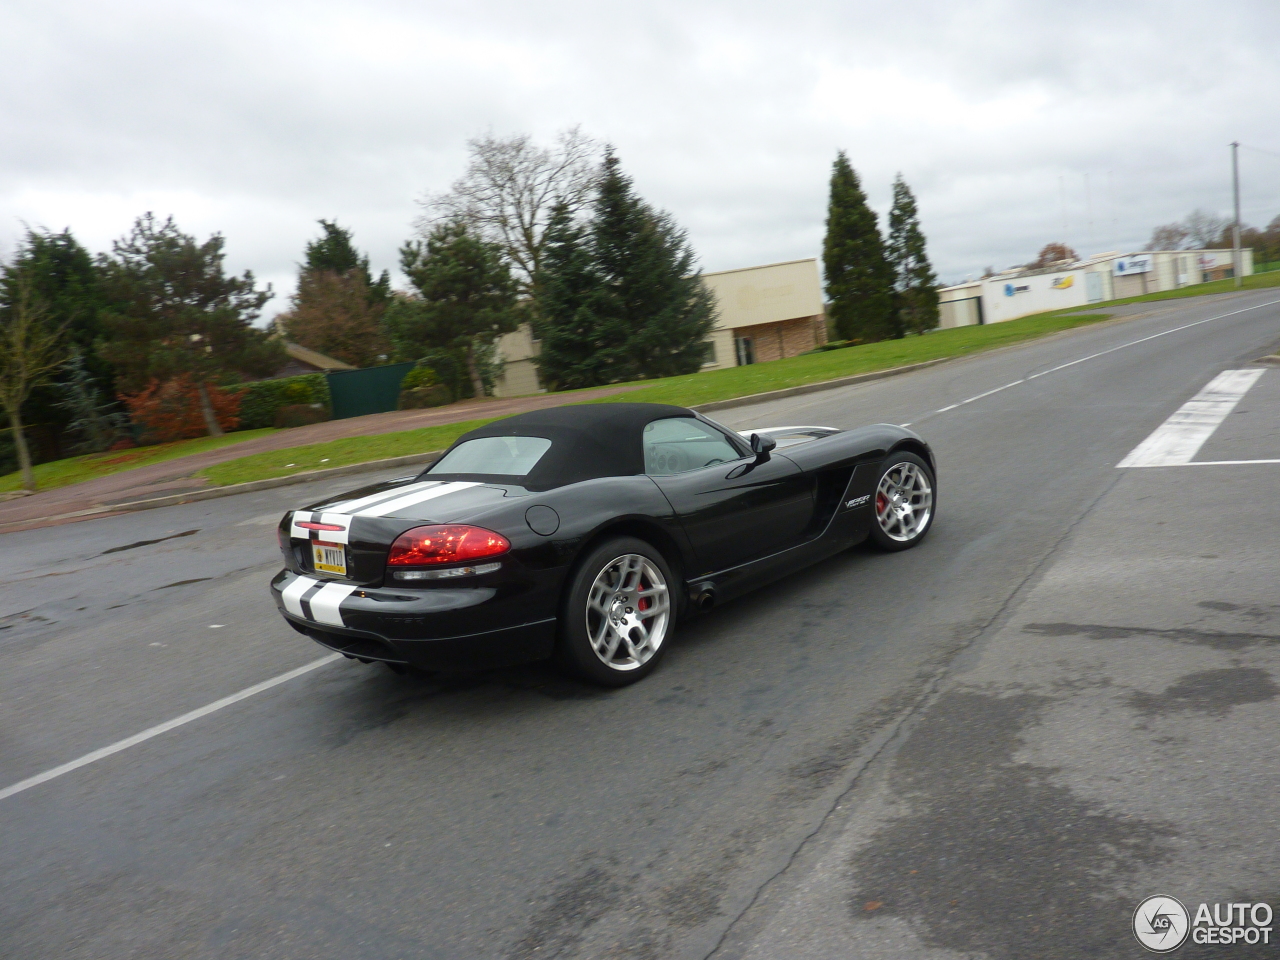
(586, 533)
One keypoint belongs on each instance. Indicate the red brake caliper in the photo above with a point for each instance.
(881, 503)
(642, 603)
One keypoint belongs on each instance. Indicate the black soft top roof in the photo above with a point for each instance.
(588, 441)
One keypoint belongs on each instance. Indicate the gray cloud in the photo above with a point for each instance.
(255, 119)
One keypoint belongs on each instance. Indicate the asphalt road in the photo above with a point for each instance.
(995, 744)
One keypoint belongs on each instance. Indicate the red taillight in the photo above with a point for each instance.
(308, 525)
(445, 543)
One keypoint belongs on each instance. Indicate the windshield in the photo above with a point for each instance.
(501, 456)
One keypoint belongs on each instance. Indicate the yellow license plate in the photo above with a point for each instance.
(329, 558)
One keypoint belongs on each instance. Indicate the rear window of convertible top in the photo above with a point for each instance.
(500, 456)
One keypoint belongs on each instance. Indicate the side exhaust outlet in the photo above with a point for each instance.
(703, 595)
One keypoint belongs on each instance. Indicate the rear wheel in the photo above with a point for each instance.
(618, 613)
(903, 508)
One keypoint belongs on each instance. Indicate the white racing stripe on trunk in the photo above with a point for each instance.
(350, 506)
(1180, 437)
(386, 509)
(291, 595)
(324, 605)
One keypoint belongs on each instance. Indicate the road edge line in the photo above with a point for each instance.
(150, 732)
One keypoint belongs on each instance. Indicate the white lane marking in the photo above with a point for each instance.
(324, 605)
(165, 727)
(1210, 463)
(1179, 439)
(383, 509)
(350, 506)
(291, 595)
(1103, 353)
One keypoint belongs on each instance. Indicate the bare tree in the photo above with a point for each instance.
(1053, 253)
(509, 189)
(1204, 228)
(31, 348)
(1171, 236)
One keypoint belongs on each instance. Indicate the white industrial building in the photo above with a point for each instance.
(1109, 276)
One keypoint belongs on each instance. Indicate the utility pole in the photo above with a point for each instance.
(1237, 258)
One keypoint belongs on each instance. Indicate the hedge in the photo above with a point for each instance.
(262, 398)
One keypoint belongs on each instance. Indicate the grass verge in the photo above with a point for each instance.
(61, 473)
(690, 390)
(336, 453)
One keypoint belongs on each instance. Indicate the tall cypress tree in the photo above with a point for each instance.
(574, 350)
(640, 309)
(915, 283)
(859, 277)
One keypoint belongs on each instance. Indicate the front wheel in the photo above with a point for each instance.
(618, 613)
(903, 505)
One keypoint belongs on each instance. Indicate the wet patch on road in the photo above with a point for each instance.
(1218, 640)
(1208, 691)
(557, 929)
(994, 856)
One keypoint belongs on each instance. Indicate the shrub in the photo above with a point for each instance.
(419, 376)
(436, 395)
(299, 415)
(261, 399)
(169, 411)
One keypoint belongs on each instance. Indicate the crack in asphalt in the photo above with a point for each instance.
(147, 543)
(931, 694)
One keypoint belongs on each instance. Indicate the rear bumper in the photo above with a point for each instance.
(426, 628)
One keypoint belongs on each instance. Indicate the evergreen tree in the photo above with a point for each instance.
(859, 277)
(466, 298)
(626, 289)
(93, 424)
(915, 282)
(573, 347)
(62, 275)
(335, 253)
(174, 312)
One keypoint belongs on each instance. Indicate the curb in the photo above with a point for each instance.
(816, 387)
(213, 493)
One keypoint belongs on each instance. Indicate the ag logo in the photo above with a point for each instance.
(858, 501)
(1161, 924)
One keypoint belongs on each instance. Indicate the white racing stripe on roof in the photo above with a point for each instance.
(291, 595)
(388, 508)
(324, 605)
(351, 506)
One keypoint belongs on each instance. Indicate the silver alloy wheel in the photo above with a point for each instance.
(904, 501)
(628, 608)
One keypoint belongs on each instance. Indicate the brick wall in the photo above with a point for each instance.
(773, 341)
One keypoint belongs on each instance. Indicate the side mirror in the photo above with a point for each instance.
(762, 447)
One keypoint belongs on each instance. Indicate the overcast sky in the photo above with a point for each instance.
(1016, 123)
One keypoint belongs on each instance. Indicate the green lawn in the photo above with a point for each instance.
(60, 473)
(733, 382)
(336, 453)
(689, 390)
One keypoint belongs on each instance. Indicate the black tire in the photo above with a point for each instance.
(904, 502)
(639, 634)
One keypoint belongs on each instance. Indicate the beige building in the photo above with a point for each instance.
(519, 374)
(762, 313)
(765, 313)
